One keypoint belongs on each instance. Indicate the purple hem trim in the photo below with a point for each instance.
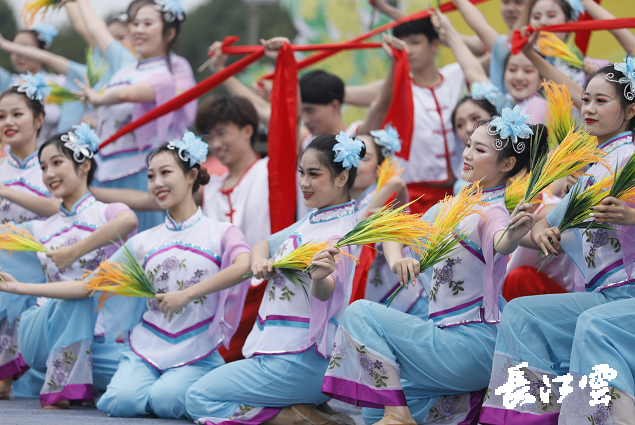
(185, 248)
(455, 308)
(393, 289)
(610, 142)
(473, 251)
(495, 416)
(71, 392)
(78, 226)
(277, 353)
(14, 368)
(264, 415)
(604, 271)
(617, 285)
(151, 363)
(476, 401)
(287, 318)
(178, 334)
(360, 395)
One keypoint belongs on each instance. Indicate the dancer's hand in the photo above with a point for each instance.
(615, 211)
(263, 269)
(324, 262)
(63, 257)
(406, 268)
(172, 302)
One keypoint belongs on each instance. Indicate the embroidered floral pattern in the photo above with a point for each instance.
(243, 409)
(280, 282)
(375, 369)
(183, 285)
(153, 304)
(445, 407)
(168, 265)
(601, 414)
(90, 357)
(445, 275)
(6, 344)
(94, 262)
(599, 239)
(336, 355)
(62, 366)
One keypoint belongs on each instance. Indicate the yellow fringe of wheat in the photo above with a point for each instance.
(15, 239)
(559, 118)
(112, 279)
(32, 8)
(550, 45)
(386, 171)
(515, 191)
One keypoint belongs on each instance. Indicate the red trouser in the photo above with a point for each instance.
(430, 195)
(526, 280)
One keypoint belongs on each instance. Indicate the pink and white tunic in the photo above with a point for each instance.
(24, 176)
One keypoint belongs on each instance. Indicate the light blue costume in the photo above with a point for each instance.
(286, 351)
(540, 329)
(437, 365)
(162, 359)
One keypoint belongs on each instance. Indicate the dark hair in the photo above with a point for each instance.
(227, 109)
(619, 89)
(323, 145)
(41, 44)
(378, 148)
(36, 107)
(481, 103)
(118, 18)
(176, 24)
(59, 143)
(418, 26)
(321, 88)
(523, 159)
(202, 178)
(564, 5)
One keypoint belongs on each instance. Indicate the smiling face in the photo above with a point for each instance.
(602, 109)
(466, 115)
(318, 187)
(480, 160)
(60, 174)
(511, 10)
(22, 64)
(229, 143)
(421, 51)
(18, 127)
(147, 33)
(521, 77)
(545, 13)
(367, 170)
(167, 181)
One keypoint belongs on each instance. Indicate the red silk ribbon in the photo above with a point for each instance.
(402, 110)
(519, 40)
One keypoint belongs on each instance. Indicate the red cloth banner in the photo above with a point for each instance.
(402, 110)
(519, 40)
(582, 37)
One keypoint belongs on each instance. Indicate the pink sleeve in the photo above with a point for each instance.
(536, 109)
(164, 86)
(496, 219)
(233, 244)
(184, 76)
(115, 208)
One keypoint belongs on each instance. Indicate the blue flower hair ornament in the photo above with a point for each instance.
(191, 148)
(510, 125)
(34, 87)
(628, 69)
(348, 151)
(485, 90)
(46, 33)
(388, 139)
(171, 9)
(83, 141)
(577, 9)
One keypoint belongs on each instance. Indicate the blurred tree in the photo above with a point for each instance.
(7, 29)
(70, 45)
(216, 19)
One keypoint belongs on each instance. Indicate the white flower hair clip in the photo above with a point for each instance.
(191, 148)
(34, 87)
(171, 9)
(511, 124)
(348, 151)
(45, 33)
(628, 69)
(83, 141)
(388, 139)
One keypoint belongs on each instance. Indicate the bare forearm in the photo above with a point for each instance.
(57, 63)
(323, 289)
(77, 20)
(362, 95)
(474, 43)
(135, 199)
(263, 108)
(392, 12)
(72, 290)
(98, 29)
(549, 72)
(471, 66)
(224, 279)
(119, 227)
(623, 36)
(260, 251)
(380, 106)
(475, 19)
(393, 251)
(40, 205)
(138, 93)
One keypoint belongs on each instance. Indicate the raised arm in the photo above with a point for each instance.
(77, 20)
(40, 205)
(97, 29)
(623, 36)
(136, 93)
(59, 64)
(477, 21)
(362, 95)
(382, 6)
(470, 64)
(135, 199)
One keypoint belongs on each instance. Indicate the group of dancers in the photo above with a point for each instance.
(194, 214)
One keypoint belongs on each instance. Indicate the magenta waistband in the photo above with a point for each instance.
(455, 308)
(495, 416)
(361, 395)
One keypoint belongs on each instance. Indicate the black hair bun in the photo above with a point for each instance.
(203, 176)
(362, 152)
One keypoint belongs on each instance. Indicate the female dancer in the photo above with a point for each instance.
(539, 331)
(418, 369)
(286, 353)
(64, 339)
(194, 263)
